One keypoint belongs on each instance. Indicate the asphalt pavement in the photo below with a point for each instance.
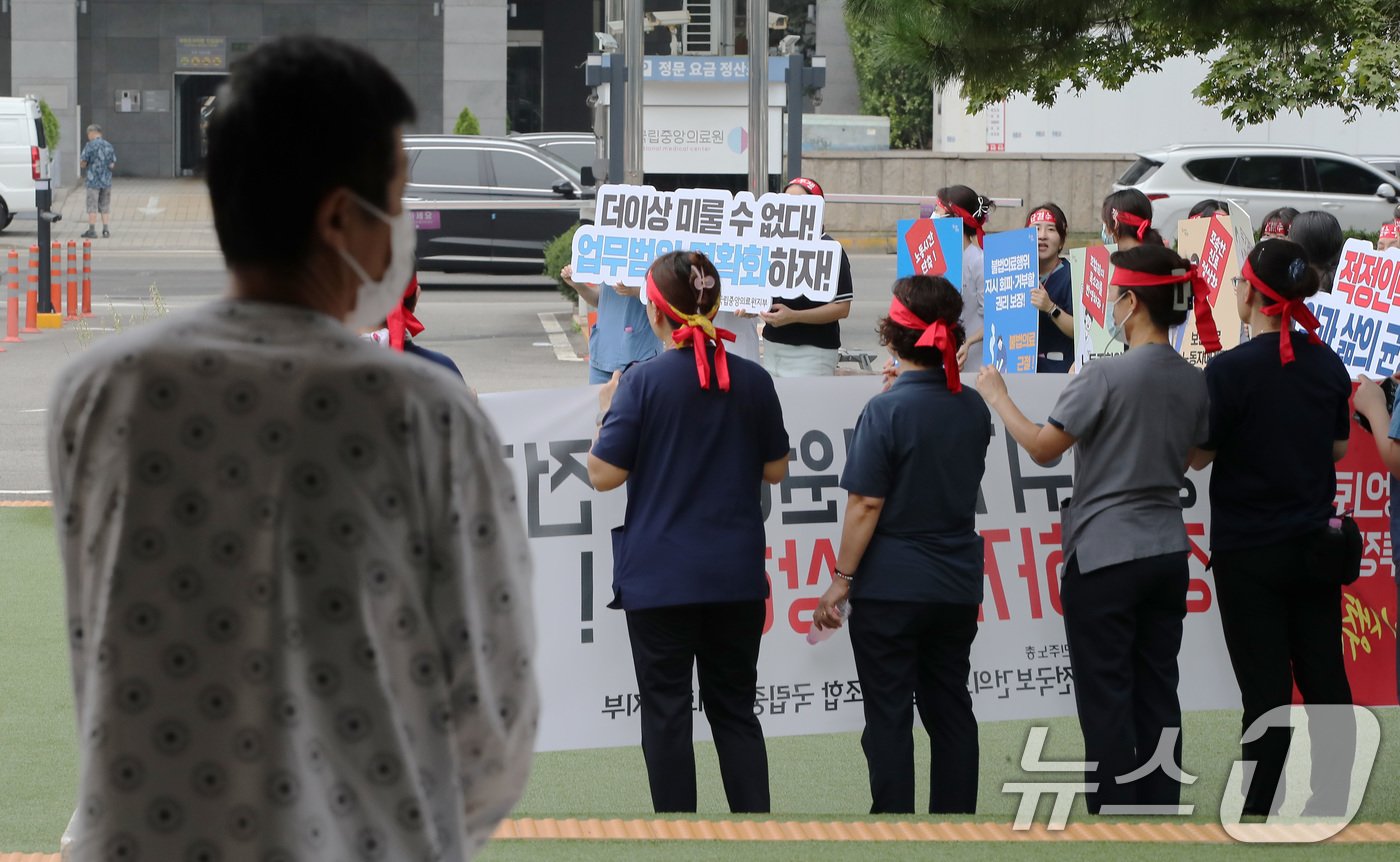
(505, 333)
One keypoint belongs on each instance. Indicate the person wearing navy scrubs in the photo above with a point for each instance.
(1054, 297)
(911, 561)
(693, 433)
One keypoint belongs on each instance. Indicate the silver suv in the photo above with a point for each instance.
(1261, 178)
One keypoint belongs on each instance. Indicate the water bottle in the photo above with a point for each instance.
(816, 635)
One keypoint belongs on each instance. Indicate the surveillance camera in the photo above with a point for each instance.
(787, 46)
(606, 43)
(776, 21)
(674, 18)
(615, 28)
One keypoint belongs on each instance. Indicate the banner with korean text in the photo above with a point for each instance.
(1219, 245)
(929, 246)
(1020, 662)
(1361, 316)
(1011, 270)
(1089, 272)
(764, 248)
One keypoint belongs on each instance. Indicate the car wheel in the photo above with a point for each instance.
(5, 215)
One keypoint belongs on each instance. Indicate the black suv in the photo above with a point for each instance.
(476, 168)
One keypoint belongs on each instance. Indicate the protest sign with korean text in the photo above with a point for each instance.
(1219, 247)
(1359, 318)
(1020, 661)
(765, 248)
(1011, 270)
(929, 246)
(1089, 272)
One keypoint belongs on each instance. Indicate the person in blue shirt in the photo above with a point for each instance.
(1280, 419)
(693, 434)
(911, 561)
(98, 160)
(402, 324)
(1054, 296)
(622, 336)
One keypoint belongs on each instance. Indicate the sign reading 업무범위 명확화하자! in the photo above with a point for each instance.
(765, 248)
(929, 246)
(1359, 318)
(1010, 271)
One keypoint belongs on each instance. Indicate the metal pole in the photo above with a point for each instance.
(794, 116)
(43, 201)
(722, 24)
(632, 17)
(758, 96)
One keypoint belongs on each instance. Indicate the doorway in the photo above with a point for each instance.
(196, 99)
(525, 81)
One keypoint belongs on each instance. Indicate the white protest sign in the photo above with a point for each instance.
(765, 248)
(1359, 317)
(1020, 662)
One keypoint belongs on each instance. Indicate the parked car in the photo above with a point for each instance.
(24, 155)
(479, 168)
(579, 149)
(1260, 178)
(1389, 164)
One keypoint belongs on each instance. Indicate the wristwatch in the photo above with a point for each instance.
(1055, 315)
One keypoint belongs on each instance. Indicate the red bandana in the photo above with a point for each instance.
(1390, 230)
(1205, 321)
(1289, 309)
(1143, 225)
(811, 186)
(967, 219)
(401, 319)
(937, 335)
(1041, 217)
(698, 330)
(1275, 228)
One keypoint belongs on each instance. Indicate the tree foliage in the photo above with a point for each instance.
(1266, 56)
(889, 88)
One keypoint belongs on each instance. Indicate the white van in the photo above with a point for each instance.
(24, 155)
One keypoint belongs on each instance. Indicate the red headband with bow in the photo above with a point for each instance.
(1205, 321)
(938, 335)
(1289, 309)
(698, 330)
(1143, 225)
(402, 320)
(1275, 228)
(967, 219)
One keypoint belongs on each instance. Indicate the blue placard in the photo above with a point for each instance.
(914, 253)
(1010, 269)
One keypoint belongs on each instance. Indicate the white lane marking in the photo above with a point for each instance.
(563, 351)
(26, 493)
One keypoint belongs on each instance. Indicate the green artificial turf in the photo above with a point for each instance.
(812, 777)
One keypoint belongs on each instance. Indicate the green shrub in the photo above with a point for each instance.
(466, 123)
(1371, 236)
(557, 256)
(51, 127)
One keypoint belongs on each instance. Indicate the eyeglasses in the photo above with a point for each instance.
(1238, 281)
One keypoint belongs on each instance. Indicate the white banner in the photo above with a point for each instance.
(1020, 662)
(764, 248)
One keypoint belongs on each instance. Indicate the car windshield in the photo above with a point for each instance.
(1140, 170)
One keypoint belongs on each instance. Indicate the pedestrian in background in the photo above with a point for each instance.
(689, 568)
(802, 336)
(1133, 420)
(98, 160)
(1054, 296)
(911, 561)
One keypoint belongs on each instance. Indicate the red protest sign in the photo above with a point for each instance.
(1095, 287)
(924, 248)
(1215, 255)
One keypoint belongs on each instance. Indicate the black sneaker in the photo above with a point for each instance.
(88, 234)
(106, 233)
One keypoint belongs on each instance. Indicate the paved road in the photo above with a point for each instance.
(492, 330)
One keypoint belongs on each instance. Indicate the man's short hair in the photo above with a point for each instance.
(298, 118)
(95, 128)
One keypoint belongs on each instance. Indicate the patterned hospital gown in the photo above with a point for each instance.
(299, 609)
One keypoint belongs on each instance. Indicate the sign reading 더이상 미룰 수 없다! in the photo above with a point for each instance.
(1360, 318)
(765, 248)
(1010, 268)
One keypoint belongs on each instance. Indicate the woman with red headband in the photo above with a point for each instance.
(1277, 223)
(1127, 220)
(911, 561)
(1133, 420)
(1054, 296)
(1279, 421)
(693, 433)
(963, 203)
(801, 336)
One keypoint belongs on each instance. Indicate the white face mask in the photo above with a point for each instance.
(378, 297)
(1116, 327)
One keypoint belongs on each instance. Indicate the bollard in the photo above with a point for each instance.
(87, 278)
(72, 279)
(31, 318)
(56, 277)
(12, 300)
